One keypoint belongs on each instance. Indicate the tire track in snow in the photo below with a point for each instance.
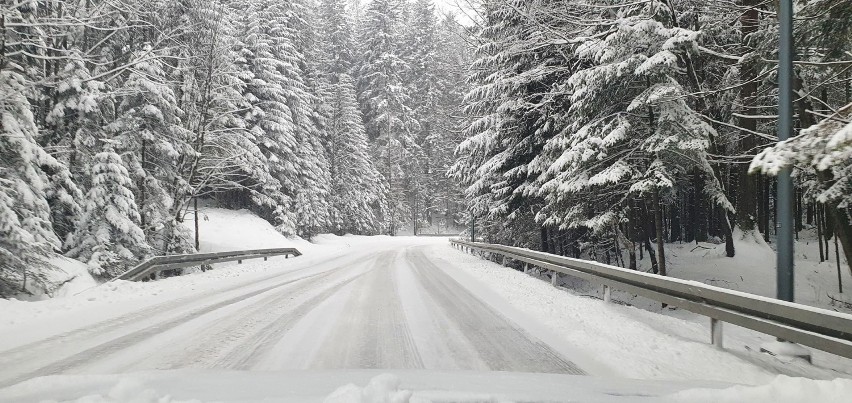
(227, 338)
(14, 355)
(372, 332)
(260, 343)
(499, 342)
(56, 346)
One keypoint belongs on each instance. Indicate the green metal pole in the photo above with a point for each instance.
(785, 129)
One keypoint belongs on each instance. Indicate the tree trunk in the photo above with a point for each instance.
(842, 226)
(675, 233)
(631, 248)
(746, 206)
(729, 237)
(658, 219)
(195, 215)
(767, 186)
(655, 268)
(798, 212)
(648, 227)
(819, 232)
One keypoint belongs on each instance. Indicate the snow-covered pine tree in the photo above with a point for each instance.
(294, 36)
(508, 127)
(336, 46)
(313, 206)
(26, 232)
(388, 118)
(454, 56)
(827, 148)
(267, 117)
(76, 121)
(419, 45)
(356, 186)
(108, 236)
(218, 80)
(631, 137)
(148, 133)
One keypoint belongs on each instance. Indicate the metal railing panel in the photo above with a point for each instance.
(159, 263)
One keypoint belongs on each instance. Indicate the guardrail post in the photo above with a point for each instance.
(264, 258)
(716, 332)
(239, 262)
(554, 279)
(607, 293)
(526, 268)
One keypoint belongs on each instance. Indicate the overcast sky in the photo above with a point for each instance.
(453, 5)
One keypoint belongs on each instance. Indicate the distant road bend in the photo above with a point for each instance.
(384, 307)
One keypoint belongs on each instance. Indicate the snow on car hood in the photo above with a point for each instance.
(399, 386)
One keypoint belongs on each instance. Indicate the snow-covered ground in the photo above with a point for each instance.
(441, 320)
(753, 269)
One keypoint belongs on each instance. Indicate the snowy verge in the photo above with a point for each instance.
(634, 342)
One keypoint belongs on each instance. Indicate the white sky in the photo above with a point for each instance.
(453, 5)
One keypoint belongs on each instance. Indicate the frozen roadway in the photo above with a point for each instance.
(392, 306)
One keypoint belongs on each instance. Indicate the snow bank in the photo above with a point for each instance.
(222, 230)
(783, 389)
(67, 277)
(381, 389)
(71, 276)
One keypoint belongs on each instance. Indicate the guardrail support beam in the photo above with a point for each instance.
(554, 279)
(607, 293)
(716, 332)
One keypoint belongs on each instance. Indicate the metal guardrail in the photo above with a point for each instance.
(159, 263)
(814, 327)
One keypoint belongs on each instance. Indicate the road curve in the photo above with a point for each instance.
(386, 308)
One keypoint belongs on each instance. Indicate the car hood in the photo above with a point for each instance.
(392, 386)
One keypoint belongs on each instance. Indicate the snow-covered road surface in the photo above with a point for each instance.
(380, 307)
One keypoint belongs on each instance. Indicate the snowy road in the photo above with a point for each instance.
(382, 307)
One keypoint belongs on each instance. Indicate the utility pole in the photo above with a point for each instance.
(414, 212)
(785, 182)
(391, 228)
(472, 227)
(785, 130)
